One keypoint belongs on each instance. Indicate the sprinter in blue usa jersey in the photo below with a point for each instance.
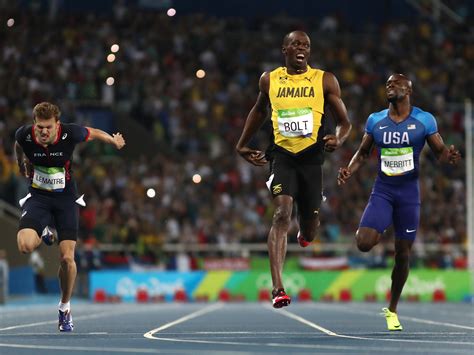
(399, 134)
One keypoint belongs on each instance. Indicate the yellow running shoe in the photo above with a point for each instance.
(392, 320)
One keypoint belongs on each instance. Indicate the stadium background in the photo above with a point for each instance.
(206, 219)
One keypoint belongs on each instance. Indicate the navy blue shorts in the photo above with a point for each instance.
(58, 210)
(394, 204)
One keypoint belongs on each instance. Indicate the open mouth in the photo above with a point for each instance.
(300, 58)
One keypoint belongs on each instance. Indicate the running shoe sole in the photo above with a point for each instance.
(281, 301)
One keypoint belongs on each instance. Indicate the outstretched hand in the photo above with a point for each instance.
(453, 155)
(119, 141)
(343, 175)
(255, 157)
(331, 143)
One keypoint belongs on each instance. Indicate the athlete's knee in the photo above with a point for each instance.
(366, 240)
(402, 257)
(402, 251)
(282, 217)
(26, 242)
(67, 260)
(364, 245)
(25, 247)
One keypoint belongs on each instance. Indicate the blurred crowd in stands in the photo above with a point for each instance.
(196, 122)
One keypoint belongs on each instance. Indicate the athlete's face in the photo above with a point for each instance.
(397, 87)
(46, 130)
(297, 50)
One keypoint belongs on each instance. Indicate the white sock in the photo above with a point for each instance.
(63, 307)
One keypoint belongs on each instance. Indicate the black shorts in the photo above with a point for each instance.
(57, 210)
(298, 177)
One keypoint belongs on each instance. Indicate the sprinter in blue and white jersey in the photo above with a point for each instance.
(399, 134)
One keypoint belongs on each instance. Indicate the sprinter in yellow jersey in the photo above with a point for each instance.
(297, 95)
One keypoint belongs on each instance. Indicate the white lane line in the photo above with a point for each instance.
(150, 335)
(305, 321)
(234, 333)
(190, 316)
(83, 348)
(355, 348)
(436, 334)
(245, 335)
(458, 310)
(91, 316)
(49, 322)
(23, 313)
(362, 309)
(413, 319)
(427, 321)
(23, 334)
(331, 333)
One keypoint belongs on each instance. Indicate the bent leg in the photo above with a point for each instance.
(367, 238)
(67, 269)
(34, 218)
(309, 226)
(376, 218)
(277, 238)
(28, 240)
(400, 271)
(308, 200)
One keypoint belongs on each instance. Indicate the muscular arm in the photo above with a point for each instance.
(443, 154)
(332, 95)
(19, 154)
(115, 139)
(255, 119)
(357, 160)
(22, 160)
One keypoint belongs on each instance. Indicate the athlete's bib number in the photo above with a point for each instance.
(397, 161)
(295, 122)
(49, 179)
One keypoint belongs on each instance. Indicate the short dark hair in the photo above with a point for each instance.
(286, 39)
(46, 110)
